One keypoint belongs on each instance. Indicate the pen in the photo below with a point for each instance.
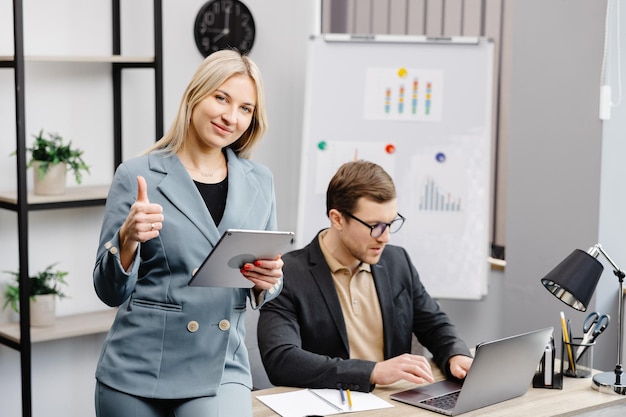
(343, 398)
(570, 334)
(349, 399)
(568, 346)
(330, 403)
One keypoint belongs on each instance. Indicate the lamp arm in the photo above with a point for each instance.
(593, 251)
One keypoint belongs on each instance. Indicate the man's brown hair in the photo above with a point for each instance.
(357, 179)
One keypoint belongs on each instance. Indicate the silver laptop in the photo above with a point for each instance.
(502, 369)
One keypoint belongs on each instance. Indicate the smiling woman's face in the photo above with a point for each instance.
(224, 115)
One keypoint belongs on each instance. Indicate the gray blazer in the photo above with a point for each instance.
(302, 334)
(170, 340)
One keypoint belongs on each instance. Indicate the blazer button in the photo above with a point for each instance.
(224, 325)
(193, 326)
(113, 250)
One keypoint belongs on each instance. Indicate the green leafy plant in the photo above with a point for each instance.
(47, 281)
(51, 151)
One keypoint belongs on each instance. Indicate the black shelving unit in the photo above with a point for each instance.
(22, 204)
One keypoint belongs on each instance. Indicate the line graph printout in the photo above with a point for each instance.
(404, 94)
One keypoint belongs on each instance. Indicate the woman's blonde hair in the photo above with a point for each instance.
(212, 73)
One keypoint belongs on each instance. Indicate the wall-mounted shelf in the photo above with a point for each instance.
(64, 327)
(81, 196)
(84, 59)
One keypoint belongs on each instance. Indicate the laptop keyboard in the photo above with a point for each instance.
(444, 402)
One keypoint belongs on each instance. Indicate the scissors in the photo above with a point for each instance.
(593, 326)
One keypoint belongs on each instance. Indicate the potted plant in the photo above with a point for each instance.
(45, 286)
(51, 158)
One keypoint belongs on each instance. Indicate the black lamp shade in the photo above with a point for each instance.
(574, 280)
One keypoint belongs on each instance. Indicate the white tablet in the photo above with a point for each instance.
(235, 248)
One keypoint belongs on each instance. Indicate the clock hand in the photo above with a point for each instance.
(204, 28)
(220, 35)
(226, 30)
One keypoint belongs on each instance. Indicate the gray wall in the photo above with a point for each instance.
(555, 155)
(564, 189)
(612, 192)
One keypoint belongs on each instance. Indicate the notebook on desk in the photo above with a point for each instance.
(502, 369)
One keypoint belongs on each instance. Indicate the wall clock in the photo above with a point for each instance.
(224, 24)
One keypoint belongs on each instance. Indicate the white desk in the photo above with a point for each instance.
(576, 397)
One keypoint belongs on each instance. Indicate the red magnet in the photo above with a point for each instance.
(390, 148)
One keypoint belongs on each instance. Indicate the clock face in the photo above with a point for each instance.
(224, 24)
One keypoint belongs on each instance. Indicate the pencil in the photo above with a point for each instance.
(572, 365)
(349, 398)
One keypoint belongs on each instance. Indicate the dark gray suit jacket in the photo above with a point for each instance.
(302, 334)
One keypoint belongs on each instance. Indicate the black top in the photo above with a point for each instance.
(214, 196)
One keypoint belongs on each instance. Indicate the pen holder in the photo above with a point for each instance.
(577, 358)
(546, 375)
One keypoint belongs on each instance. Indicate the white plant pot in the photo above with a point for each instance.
(43, 310)
(53, 183)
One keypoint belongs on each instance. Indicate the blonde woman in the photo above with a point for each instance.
(175, 350)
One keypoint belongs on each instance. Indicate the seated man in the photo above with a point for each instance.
(350, 303)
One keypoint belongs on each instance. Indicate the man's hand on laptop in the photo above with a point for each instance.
(459, 365)
(412, 368)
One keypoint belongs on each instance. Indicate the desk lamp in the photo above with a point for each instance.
(574, 281)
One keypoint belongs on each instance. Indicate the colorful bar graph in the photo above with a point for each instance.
(414, 96)
(428, 97)
(387, 100)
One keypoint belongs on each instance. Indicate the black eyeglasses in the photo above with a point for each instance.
(377, 230)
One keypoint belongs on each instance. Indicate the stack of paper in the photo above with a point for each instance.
(321, 402)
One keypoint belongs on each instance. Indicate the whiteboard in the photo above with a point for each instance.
(422, 110)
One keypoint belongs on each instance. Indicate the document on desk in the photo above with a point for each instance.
(321, 402)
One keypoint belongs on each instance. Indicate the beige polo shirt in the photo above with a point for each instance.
(361, 309)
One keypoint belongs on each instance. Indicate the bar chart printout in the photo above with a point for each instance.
(435, 198)
(406, 94)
